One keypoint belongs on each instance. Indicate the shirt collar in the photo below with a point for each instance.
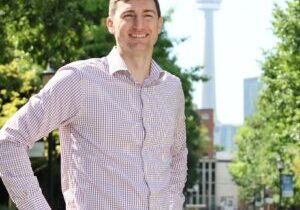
(116, 63)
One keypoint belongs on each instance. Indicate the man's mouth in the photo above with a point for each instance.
(138, 36)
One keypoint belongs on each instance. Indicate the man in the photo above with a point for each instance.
(121, 123)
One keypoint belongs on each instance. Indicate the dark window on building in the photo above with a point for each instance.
(200, 165)
(200, 176)
(200, 189)
(213, 166)
(213, 190)
(206, 176)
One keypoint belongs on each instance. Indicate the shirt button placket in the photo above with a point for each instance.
(143, 148)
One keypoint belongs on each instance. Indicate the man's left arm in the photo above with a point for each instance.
(179, 156)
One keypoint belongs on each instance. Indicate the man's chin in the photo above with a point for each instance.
(140, 47)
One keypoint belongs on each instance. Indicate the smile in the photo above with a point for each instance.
(139, 36)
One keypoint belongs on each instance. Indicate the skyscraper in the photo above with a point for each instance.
(251, 90)
(208, 88)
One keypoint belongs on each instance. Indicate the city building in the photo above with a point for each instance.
(207, 121)
(251, 91)
(207, 182)
(224, 136)
(215, 188)
(226, 189)
(212, 169)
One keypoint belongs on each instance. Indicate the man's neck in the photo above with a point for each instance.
(138, 64)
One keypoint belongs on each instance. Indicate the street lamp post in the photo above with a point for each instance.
(268, 197)
(47, 75)
(280, 166)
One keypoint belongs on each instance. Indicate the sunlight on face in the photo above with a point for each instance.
(135, 25)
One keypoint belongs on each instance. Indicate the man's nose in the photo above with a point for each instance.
(138, 22)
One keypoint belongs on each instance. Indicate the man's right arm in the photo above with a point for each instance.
(57, 103)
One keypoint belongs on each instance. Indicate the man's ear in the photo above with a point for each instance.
(110, 25)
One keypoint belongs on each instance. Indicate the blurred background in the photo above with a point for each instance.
(239, 62)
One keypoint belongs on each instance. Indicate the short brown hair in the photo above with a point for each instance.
(112, 7)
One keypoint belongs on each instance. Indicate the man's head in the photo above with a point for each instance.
(112, 7)
(135, 25)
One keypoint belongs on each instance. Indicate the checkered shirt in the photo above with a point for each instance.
(123, 144)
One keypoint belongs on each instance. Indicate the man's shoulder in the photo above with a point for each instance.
(171, 78)
(87, 64)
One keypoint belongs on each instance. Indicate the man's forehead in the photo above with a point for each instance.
(136, 5)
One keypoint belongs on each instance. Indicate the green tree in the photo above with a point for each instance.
(60, 30)
(18, 81)
(273, 133)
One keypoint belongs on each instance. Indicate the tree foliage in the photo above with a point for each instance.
(273, 133)
(18, 81)
(60, 30)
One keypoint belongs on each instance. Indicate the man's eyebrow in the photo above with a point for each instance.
(150, 10)
(128, 11)
(145, 11)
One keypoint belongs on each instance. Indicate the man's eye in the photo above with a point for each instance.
(148, 16)
(128, 16)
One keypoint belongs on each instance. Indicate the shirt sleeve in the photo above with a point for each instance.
(56, 104)
(179, 157)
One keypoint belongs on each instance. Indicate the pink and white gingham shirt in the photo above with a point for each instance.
(123, 144)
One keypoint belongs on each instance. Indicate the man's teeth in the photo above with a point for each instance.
(138, 35)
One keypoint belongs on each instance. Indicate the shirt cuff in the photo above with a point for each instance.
(36, 202)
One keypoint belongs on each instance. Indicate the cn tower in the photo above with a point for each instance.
(208, 88)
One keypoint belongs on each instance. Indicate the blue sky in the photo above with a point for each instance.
(242, 30)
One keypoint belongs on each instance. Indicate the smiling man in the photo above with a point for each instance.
(121, 122)
(135, 25)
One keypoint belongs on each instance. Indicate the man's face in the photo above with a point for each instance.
(135, 25)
